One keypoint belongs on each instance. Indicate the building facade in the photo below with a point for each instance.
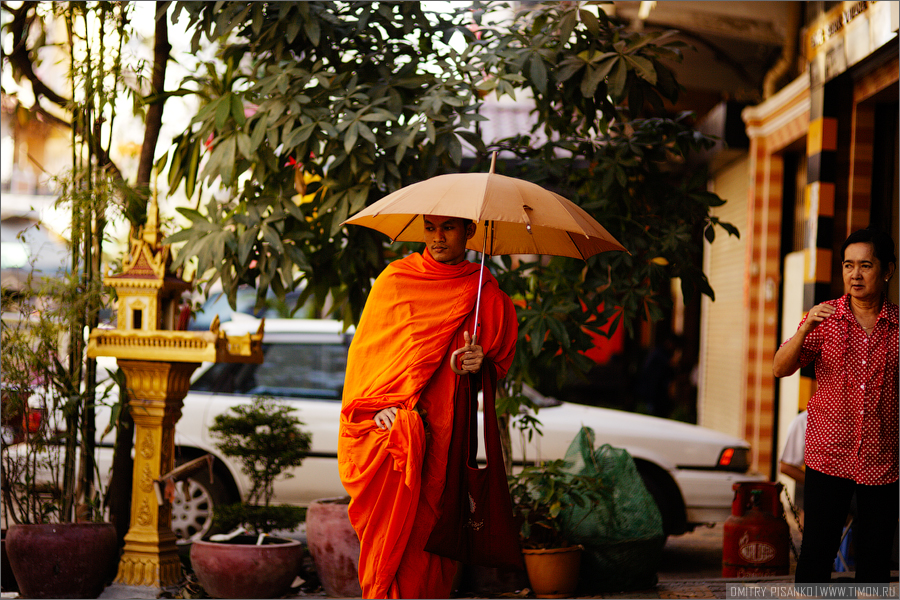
(822, 162)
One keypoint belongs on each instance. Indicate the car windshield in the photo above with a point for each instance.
(304, 370)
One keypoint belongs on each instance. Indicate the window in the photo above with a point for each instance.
(288, 370)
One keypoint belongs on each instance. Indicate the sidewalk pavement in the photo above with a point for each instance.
(763, 587)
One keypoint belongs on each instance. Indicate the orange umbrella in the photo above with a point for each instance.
(512, 216)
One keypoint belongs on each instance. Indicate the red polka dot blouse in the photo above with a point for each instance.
(852, 428)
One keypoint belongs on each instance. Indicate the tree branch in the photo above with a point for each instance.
(153, 124)
(19, 57)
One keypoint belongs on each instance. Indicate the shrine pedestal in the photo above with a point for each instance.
(158, 357)
(156, 390)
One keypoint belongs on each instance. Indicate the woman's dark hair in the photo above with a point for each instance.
(881, 242)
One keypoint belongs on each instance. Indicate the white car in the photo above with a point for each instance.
(689, 470)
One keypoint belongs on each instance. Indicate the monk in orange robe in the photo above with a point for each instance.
(397, 412)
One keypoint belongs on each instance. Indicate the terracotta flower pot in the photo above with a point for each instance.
(334, 546)
(239, 568)
(553, 572)
(62, 560)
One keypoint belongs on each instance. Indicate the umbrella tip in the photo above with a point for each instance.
(493, 160)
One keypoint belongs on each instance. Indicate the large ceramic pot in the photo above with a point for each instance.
(553, 572)
(334, 546)
(239, 568)
(7, 577)
(62, 560)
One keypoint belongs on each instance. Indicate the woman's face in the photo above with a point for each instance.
(864, 275)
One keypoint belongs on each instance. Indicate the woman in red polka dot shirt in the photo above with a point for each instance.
(851, 435)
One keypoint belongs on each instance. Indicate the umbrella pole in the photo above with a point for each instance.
(478, 299)
(453, 365)
(480, 279)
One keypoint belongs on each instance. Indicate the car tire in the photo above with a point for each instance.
(192, 513)
(665, 497)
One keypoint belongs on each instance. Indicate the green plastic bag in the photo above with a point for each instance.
(623, 533)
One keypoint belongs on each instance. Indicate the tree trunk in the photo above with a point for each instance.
(119, 496)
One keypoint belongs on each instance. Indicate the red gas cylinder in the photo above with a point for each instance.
(757, 538)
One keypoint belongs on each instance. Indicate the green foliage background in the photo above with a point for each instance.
(369, 98)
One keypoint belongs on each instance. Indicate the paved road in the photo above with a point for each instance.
(698, 555)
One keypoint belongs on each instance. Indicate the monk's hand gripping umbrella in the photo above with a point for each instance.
(511, 216)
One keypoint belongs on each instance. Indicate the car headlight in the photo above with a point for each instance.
(734, 459)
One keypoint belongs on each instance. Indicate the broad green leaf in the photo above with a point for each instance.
(258, 131)
(237, 110)
(340, 215)
(365, 132)
(358, 196)
(312, 31)
(223, 110)
(299, 135)
(567, 26)
(190, 176)
(617, 81)
(271, 236)
(297, 257)
(204, 113)
(222, 159)
(243, 144)
(559, 332)
(292, 29)
(539, 73)
(193, 215)
(643, 67)
(379, 114)
(590, 21)
(454, 147)
(567, 70)
(731, 229)
(593, 77)
(180, 236)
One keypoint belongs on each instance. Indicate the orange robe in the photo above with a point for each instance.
(414, 319)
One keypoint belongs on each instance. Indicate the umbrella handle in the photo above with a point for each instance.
(453, 356)
(453, 366)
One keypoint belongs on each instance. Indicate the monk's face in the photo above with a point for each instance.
(446, 237)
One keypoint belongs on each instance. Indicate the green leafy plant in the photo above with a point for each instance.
(48, 468)
(540, 493)
(267, 441)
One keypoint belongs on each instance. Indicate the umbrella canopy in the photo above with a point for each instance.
(512, 216)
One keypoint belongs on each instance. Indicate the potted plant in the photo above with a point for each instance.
(267, 441)
(334, 546)
(539, 494)
(57, 545)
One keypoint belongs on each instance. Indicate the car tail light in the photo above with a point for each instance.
(734, 459)
(725, 458)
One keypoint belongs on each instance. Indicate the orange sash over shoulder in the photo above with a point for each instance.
(414, 319)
